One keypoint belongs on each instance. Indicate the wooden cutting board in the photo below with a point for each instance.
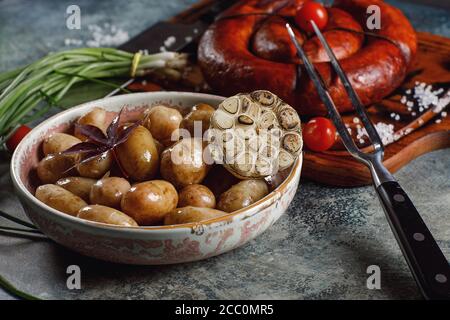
(338, 168)
(431, 66)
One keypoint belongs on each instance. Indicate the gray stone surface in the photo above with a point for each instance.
(319, 249)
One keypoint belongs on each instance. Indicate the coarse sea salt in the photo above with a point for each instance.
(170, 41)
(385, 131)
(101, 36)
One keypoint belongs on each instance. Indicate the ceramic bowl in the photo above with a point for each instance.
(142, 245)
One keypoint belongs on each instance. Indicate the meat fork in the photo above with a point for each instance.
(426, 261)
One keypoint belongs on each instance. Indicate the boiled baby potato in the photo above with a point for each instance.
(183, 163)
(219, 180)
(97, 167)
(196, 195)
(242, 195)
(107, 215)
(60, 199)
(148, 202)
(58, 142)
(191, 214)
(109, 191)
(54, 167)
(162, 121)
(79, 186)
(97, 117)
(200, 114)
(138, 155)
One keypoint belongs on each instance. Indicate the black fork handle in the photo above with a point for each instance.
(428, 264)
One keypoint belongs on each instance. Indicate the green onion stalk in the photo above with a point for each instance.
(49, 79)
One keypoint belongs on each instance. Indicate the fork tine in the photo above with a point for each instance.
(325, 97)
(356, 102)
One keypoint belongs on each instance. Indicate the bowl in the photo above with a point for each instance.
(149, 245)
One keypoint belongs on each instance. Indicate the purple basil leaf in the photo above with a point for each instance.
(124, 134)
(93, 155)
(92, 133)
(81, 147)
(111, 132)
(90, 155)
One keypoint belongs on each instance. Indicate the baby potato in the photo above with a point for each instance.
(58, 142)
(200, 113)
(242, 195)
(219, 180)
(97, 117)
(107, 215)
(79, 186)
(96, 168)
(138, 155)
(196, 195)
(109, 191)
(191, 214)
(183, 163)
(60, 199)
(148, 202)
(54, 167)
(162, 121)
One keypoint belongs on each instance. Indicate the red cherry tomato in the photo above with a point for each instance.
(319, 134)
(16, 137)
(311, 11)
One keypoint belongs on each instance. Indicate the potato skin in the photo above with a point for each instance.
(183, 163)
(219, 180)
(107, 215)
(138, 155)
(162, 121)
(79, 186)
(199, 113)
(191, 214)
(97, 117)
(54, 167)
(58, 142)
(196, 195)
(97, 167)
(109, 191)
(242, 195)
(148, 202)
(60, 199)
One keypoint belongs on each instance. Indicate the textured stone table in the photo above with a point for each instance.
(319, 249)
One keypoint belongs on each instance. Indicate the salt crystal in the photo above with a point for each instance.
(188, 39)
(403, 100)
(397, 117)
(413, 114)
(170, 41)
(438, 120)
(444, 114)
(410, 104)
(392, 115)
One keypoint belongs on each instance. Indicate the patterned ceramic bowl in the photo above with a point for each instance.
(142, 245)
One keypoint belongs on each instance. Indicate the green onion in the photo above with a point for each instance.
(14, 291)
(49, 79)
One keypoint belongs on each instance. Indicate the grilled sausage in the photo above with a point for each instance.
(234, 55)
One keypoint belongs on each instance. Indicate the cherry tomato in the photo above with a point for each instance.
(16, 137)
(311, 11)
(319, 134)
